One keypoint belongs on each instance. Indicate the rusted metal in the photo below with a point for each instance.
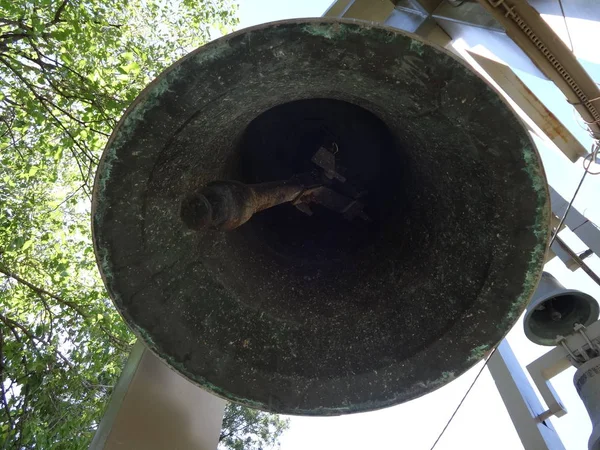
(551, 55)
(534, 109)
(226, 205)
(347, 206)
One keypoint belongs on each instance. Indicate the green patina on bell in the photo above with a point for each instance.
(303, 308)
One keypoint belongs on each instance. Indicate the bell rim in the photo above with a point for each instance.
(531, 277)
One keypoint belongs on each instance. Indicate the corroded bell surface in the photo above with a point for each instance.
(399, 235)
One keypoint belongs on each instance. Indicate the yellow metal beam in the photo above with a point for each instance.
(369, 10)
(543, 118)
(525, 26)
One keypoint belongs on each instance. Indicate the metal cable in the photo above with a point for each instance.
(566, 26)
(462, 400)
(578, 260)
(564, 216)
(593, 156)
(583, 100)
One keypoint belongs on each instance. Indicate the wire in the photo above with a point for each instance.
(579, 226)
(593, 157)
(579, 119)
(566, 26)
(578, 260)
(564, 216)
(462, 400)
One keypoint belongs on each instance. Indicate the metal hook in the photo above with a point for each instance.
(575, 359)
(593, 347)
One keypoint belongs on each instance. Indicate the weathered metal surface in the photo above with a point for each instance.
(317, 314)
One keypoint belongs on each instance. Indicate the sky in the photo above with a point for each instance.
(255, 12)
(482, 421)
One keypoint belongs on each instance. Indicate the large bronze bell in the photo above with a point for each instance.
(400, 234)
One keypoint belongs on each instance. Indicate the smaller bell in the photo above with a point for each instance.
(587, 384)
(554, 310)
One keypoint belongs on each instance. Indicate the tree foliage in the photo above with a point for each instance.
(250, 429)
(68, 69)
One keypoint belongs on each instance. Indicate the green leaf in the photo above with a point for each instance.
(132, 67)
(58, 154)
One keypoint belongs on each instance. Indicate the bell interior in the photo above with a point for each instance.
(279, 144)
(557, 315)
(374, 286)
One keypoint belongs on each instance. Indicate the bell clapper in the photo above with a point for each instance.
(225, 205)
(555, 315)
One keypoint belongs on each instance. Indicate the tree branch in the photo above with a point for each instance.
(14, 332)
(2, 391)
(12, 138)
(12, 37)
(58, 12)
(41, 291)
(15, 23)
(83, 79)
(107, 24)
(43, 101)
(33, 338)
(42, 64)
